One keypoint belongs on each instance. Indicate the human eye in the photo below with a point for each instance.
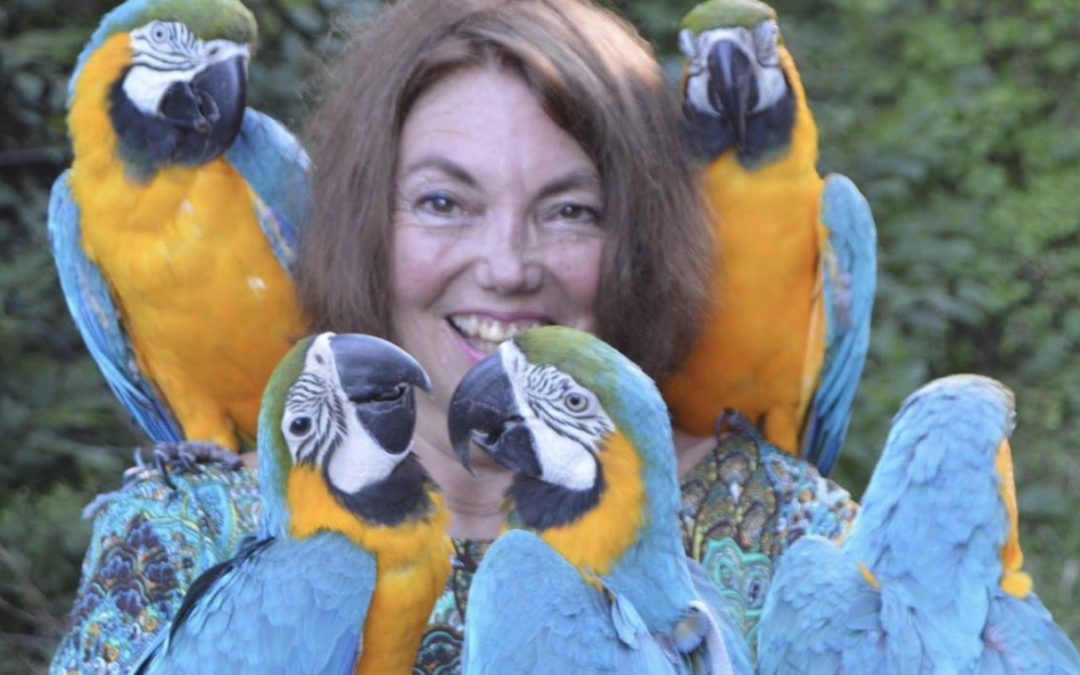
(439, 206)
(573, 213)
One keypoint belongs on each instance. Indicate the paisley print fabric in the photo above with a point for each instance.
(743, 505)
(150, 542)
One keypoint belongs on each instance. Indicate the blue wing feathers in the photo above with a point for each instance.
(97, 318)
(817, 596)
(286, 606)
(276, 167)
(850, 276)
(527, 606)
(1022, 638)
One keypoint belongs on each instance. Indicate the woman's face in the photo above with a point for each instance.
(497, 224)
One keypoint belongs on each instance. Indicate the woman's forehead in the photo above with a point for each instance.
(485, 122)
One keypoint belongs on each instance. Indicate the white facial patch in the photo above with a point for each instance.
(165, 53)
(566, 420)
(319, 421)
(760, 48)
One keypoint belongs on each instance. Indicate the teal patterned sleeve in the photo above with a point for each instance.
(150, 541)
(743, 505)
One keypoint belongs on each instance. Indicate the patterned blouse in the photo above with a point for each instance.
(743, 505)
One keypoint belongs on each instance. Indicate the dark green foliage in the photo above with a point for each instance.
(960, 121)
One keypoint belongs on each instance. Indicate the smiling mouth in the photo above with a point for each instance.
(485, 333)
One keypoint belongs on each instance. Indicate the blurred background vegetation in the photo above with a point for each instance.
(959, 120)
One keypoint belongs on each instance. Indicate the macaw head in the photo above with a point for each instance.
(568, 414)
(335, 432)
(947, 469)
(588, 439)
(181, 96)
(735, 77)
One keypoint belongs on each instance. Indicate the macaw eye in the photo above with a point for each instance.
(159, 33)
(575, 402)
(300, 426)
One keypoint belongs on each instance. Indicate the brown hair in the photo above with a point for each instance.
(596, 79)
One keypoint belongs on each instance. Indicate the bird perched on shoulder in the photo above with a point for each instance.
(352, 549)
(175, 229)
(929, 579)
(596, 579)
(786, 340)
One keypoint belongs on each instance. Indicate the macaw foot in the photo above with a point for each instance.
(731, 421)
(186, 455)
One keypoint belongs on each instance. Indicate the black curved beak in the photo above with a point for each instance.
(483, 410)
(378, 377)
(732, 83)
(208, 110)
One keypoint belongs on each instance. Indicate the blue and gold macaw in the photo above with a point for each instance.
(352, 549)
(595, 580)
(929, 579)
(174, 231)
(786, 341)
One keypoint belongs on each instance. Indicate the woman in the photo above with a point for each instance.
(483, 166)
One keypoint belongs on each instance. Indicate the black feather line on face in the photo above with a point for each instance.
(541, 505)
(400, 496)
(146, 143)
(768, 133)
(312, 395)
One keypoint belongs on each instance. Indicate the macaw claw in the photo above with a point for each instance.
(184, 456)
(730, 420)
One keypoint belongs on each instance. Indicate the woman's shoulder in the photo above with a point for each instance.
(151, 538)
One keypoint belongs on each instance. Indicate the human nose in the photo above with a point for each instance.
(508, 257)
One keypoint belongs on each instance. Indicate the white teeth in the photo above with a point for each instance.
(488, 329)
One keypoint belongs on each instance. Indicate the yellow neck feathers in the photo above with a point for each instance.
(597, 539)
(1013, 580)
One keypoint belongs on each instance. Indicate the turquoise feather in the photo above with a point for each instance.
(849, 272)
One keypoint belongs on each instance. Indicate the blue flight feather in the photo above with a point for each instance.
(849, 264)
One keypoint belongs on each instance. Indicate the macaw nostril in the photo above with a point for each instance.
(488, 439)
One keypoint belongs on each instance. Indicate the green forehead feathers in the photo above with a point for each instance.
(207, 19)
(585, 357)
(727, 14)
(286, 372)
